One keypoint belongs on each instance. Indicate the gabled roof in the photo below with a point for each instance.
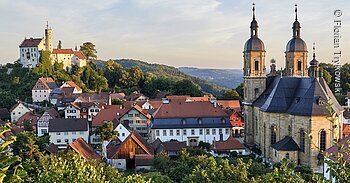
(79, 54)
(83, 149)
(52, 149)
(304, 96)
(72, 84)
(102, 97)
(230, 144)
(16, 105)
(232, 104)
(110, 113)
(189, 110)
(341, 148)
(173, 146)
(62, 51)
(68, 125)
(31, 42)
(286, 144)
(48, 83)
(53, 113)
(28, 116)
(117, 95)
(112, 150)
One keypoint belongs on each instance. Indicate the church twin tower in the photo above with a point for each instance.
(255, 71)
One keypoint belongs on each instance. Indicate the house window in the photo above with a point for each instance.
(73, 133)
(137, 115)
(302, 140)
(227, 131)
(177, 132)
(164, 132)
(171, 132)
(323, 140)
(200, 121)
(81, 133)
(131, 121)
(287, 156)
(123, 134)
(273, 135)
(130, 115)
(185, 132)
(43, 131)
(157, 132)
(58, 133)
(91, 110)
(192, 132)
(213, 131)
(200, 131)
(183, 121)
(65, 133)
(207, 131)
(137, 121)
(97, 110)
(58, 140)
(220, 131)
(66, 140)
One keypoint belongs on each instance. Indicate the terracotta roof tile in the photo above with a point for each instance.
(110, 113)
(48, 83)
(62, 51)
(232, 104)
(28, 116)
(230, 144)
(189, 110)
(72, 84)
(79, 54)
(83, 149)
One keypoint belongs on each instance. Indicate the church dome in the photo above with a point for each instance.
(296, 44)
(254, 44)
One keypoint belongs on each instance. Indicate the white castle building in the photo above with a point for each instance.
(30, 51)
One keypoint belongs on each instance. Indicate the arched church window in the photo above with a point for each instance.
(256, 92)
(299, 65)
(256, 65)
(273, 134)
(323, 140)
(302, 140)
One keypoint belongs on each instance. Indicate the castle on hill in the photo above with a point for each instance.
(282, 111)
(31, 49)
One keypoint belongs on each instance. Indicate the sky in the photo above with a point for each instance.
(194, 33)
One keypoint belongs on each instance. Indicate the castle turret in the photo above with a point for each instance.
(48, 38)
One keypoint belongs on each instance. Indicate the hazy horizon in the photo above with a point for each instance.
(197, 33)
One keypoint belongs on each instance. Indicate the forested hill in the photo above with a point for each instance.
(229, 78)
(170, 72)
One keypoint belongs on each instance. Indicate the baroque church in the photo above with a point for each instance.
(282, 112)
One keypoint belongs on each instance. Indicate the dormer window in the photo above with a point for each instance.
(223, 120)
(200, 121)
(183, 121)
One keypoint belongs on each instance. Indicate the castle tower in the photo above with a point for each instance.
(314, 70)
(48, 38)
(254, 75)
(296, 52)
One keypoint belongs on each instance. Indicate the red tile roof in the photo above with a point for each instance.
(83, 149)
(31, 42)
(110, 113)
(48, 83)
(62, 51)
(189, 110)
(155, 103)
(79, 54)
(117, 95)
(72, 84)
(232, 104)
(28, 116)
(230, 144)
(333, 152)
(346, 129)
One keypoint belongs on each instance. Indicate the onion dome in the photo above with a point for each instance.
(254, 43)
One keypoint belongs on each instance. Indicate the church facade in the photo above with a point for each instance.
(293, 115)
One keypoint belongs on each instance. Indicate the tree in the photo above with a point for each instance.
(27, 145)
(187, 87)
(59, 46)
(89, 50)
(230, 95)
(44, 67)
(10, 166)
(107, 133)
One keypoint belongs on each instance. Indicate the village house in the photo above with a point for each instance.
(43, 121)
(64, 131)
(30, 117)
(224, 148)
(82, 110)
(172, 147)
(42, 89)
(190, 122)
(133, 153)
(18, 110)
